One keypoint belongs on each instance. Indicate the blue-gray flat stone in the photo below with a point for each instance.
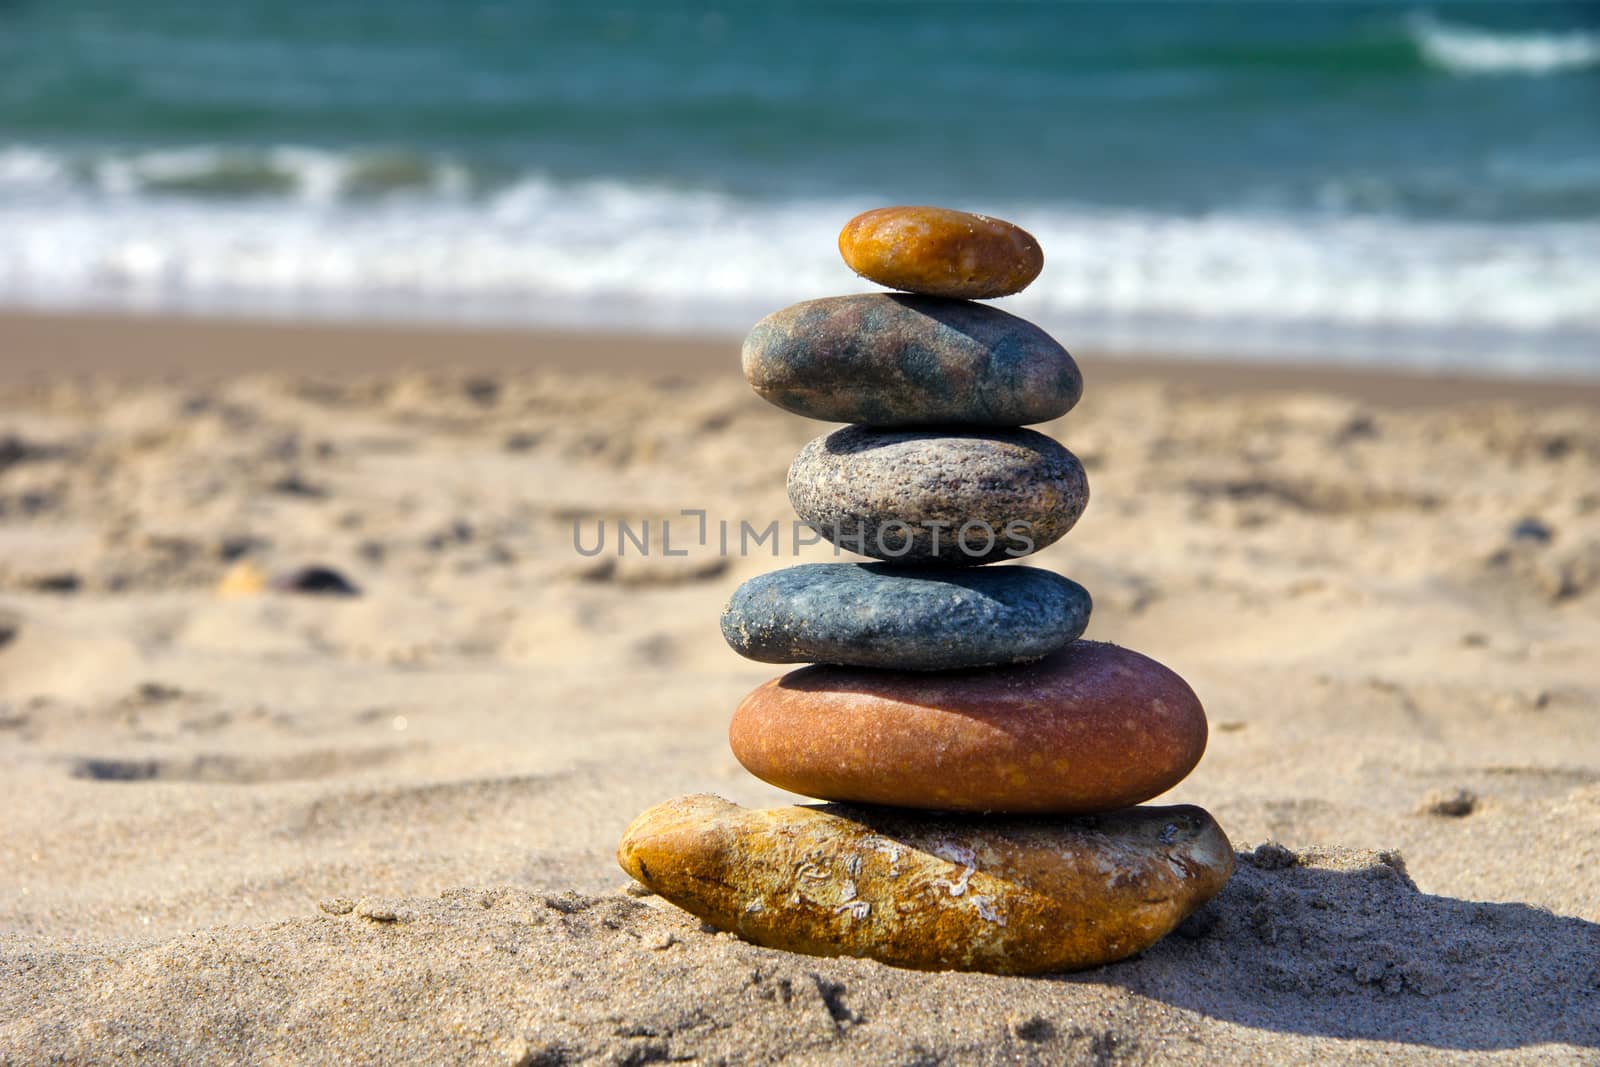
(892, 359)
(907, 618)
(951, 497)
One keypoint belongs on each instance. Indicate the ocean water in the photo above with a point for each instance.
(1379, 182)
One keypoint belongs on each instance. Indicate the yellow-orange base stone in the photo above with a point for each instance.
(1006, 896)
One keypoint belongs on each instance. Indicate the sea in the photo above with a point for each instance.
(1374, 183)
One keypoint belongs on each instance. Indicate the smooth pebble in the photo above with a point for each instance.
(945, 497)
(941, 252)
(1090, 728)
(877, 615)
(886, 359)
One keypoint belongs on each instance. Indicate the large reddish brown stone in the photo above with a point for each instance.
(1091, 728)
(941, 252)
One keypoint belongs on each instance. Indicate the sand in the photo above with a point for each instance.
(279, 827)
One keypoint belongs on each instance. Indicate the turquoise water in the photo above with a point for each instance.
(1338, 180)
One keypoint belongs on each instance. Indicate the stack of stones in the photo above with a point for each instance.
(984, 763)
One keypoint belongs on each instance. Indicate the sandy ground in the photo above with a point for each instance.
(294, 828)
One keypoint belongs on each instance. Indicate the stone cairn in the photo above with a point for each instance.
(983, 763)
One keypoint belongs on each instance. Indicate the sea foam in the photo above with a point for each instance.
(304, 232)
(1464, 49)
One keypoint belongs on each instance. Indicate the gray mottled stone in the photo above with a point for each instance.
(877, 615)
(936, 497)
(890, 359)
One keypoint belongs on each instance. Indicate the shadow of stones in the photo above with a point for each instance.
(862, 439)
(1342, 944)
(983, 323)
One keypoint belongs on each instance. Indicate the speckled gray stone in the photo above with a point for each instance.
(892, 359)
(906, 618)
(947, 497)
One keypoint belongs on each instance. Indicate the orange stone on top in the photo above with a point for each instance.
(940, 252)
(1091, 728)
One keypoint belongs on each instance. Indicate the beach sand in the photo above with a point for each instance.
(247, 825)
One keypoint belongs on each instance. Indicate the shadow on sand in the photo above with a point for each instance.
(1342, 944)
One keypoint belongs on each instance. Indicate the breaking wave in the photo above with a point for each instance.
(1463, 49)
(307, 232)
